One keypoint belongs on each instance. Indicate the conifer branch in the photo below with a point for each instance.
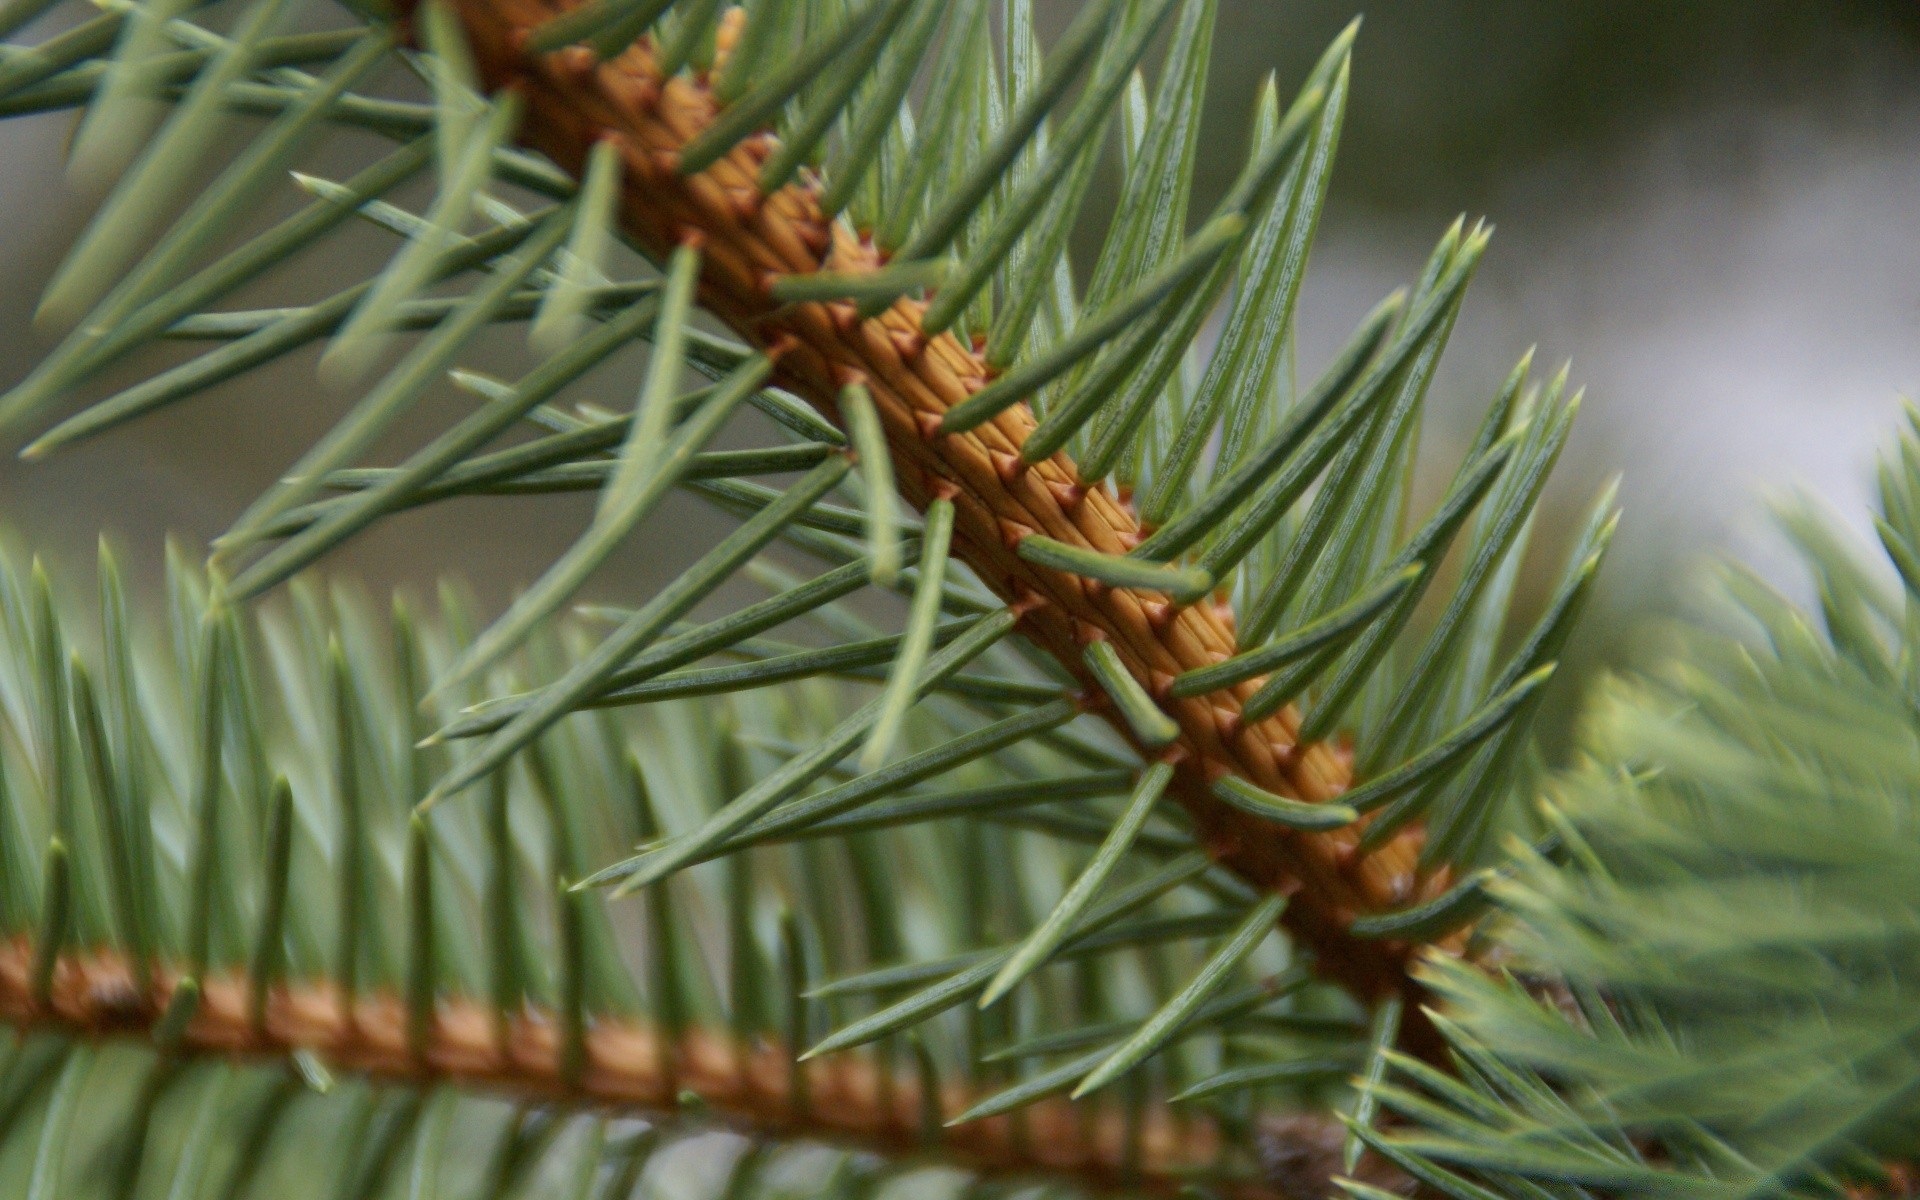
(629, 1067)
(753, 241)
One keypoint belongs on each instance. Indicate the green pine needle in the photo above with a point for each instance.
(876, 473)
(1184, 584)
(564, 305)
(903, 679)
(1050, 933)
(1159, 1028)
(1016, 385)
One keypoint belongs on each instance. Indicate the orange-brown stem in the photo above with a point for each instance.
(573, 102)
(627, 1066)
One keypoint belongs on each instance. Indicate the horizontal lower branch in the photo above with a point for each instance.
(625, 1064)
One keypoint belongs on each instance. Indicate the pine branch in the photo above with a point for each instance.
(630, 1067)
(750, 242)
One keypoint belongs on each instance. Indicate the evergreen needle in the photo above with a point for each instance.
(265, 963)
(685, 647)
(876, 473)
(396, 392)
(1185, 584)
(1450, 749)
(610, 526)
(1315, 636)
(799, 816)
(1160, 1028)
(150, 185)
(1064, 149)
(1050, 933)
(783, 783)
(56, 919)
(826, 98)
(977, 970)
(1021, 382)
(959, 202)
(1457, 906)
(903, 680)
(590, 674)
(276, 340)
(565, 302)
(360, 341)
(27, 66)
(1320, 411)
(1243, 372)
(1386, 1028)
(756, 108)
(226, 197)
(1153, 727)
(583, 21)
(653, 411)
(878, 111)
(90, 346)
(881, 286)
(1284, 810)
(1264, 1075)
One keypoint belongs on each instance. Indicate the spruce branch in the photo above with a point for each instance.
(752, 241)
(714, 1073)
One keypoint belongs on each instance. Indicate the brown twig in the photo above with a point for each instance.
(627, 1066)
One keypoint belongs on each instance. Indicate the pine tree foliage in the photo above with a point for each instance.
(1181, 662)
(1710, 989)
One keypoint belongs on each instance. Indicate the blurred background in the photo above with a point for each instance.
(1705, 206)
